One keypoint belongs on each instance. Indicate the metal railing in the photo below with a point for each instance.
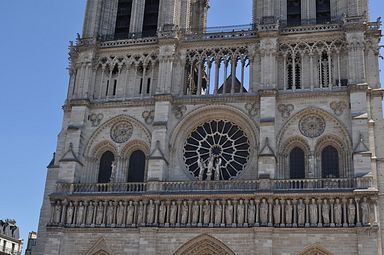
(262, 185)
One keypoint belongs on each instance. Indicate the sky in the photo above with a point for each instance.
(33, 81)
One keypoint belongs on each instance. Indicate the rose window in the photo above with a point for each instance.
(216, 150)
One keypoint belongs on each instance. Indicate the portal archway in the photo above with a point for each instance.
(204, 244)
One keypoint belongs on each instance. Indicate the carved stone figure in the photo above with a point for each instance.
(251, 212)
(110, 211)
(184, 213)
(337, 212)
(240, 212)
(288, 212)
(229, 213)
(351, 212)
(130, 211)
(210, 166)
(301, 213)
(201, 164)
(113, 172)
(264, 212)
(70, 210)
(120, 213)
(99, 213)
(162, 213)
(218, 213)
(90, 213)
(217, 169)
(206, 213)
(195, 213)
(140, 213)
(173, 213)
(80, 214)
(150, 212)
(313, 213)
(277, 212)
(364, 212)
(325, 209)
(57, 217)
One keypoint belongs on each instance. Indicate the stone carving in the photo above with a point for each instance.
(140, 213)
(184, 213)
(96, 119)
(206, 213)
(195, 213)
(364, 212)
(173, 213)
(90, 213)
(130, 211)
(337, 212)
(252, 109)
(325, 212)
(288, 213)
(240, 213)
(162, 212)
(301, 213)
(313, 213)
(312, 126)
(57, 217)
(285, 110)
(277, 212)
(120, 213)
(70, 211)
(218, 169)
(338, 107)
(150, 212)
(218, 212)
(121, 132)
(110, 210)
(80, 214)
(229, 213)
(179, 111)
(148, 116)
(264, 212)
(211, 163)
(251, 212)
(202, 167)
(351, 212)
(113, 172)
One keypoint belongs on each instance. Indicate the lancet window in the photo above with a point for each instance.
(219, 71)
(330, 162)
(297, 163)
(136, 170)
(151, 15)
(123, 20)
(293, 70)
(323, 11)
(325, 70)
(293, 12)
(105, 167)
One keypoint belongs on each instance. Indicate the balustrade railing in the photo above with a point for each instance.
(261, 185)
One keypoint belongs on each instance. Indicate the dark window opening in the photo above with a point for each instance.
(136, 169)
(151, 15)
(294, 74)
(148, 85)
(324, 70)
(141, 86)
(105, 169)
(297, 164)
(107, 90)
(114, 87)
(293, 12)
(123, 20)
(330, 163)
(323, 11)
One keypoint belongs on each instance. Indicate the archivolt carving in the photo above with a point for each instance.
(99, 248)
(127, 60)
(295, 142)
(315, 250)
(133, 146)
(106, 126)
(204, 244)
(102, 147)
(311, 47)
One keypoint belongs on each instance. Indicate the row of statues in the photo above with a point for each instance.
(335, 212)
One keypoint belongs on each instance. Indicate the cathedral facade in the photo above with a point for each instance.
(177, 138)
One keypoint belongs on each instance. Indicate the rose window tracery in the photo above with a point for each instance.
(312, 126)
(216, 150)
(121, 132)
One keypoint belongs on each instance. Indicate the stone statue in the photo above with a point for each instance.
(325, 212)
(162, 213)
(140, 213)
(110, 211)
(313, 213)
(195, 213)
(264, 212)
(184, 213)
(57, 216)
(210, 167)
(364, 212)
(130, 211)
(201, 165)
(351, 212)
(240, 212)
(301, 213)
(337, 212)
(229, 213)
(80, 214)
(218, 212)
(113, 172)
(120, 214)
(277, 212)
(99, 213)
(251, 212)
(90, 212)
(150, 212)
(173, 213)
(206, 213)
(217, 169)
(70, 210)
(288, 212)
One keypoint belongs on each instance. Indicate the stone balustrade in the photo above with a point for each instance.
(325, 210)
(262, 185)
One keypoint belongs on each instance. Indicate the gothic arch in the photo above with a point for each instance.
(204, 244)
(99, 248)
(315, 250)
(102, 147)
(133, 146)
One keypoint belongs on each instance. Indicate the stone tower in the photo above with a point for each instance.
(258, 139)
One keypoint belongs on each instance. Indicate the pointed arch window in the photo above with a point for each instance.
(293, 12)
(325, 70)
(123, 20)
(151, 15)
(105, 167)
(136, 171)
(297, 163)
(294, 72)
(323, 11)
(330, 162)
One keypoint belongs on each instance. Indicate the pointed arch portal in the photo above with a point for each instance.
(206, 245)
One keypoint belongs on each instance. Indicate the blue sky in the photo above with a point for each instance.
(33, 80)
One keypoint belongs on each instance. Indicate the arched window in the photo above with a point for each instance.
(330, 162)
(325, 68)
(294, 72)
(123, 20)
(297, 164)
(136, 171)
(151, 15)
(105, 168)
(293, 12)
(323, 11)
